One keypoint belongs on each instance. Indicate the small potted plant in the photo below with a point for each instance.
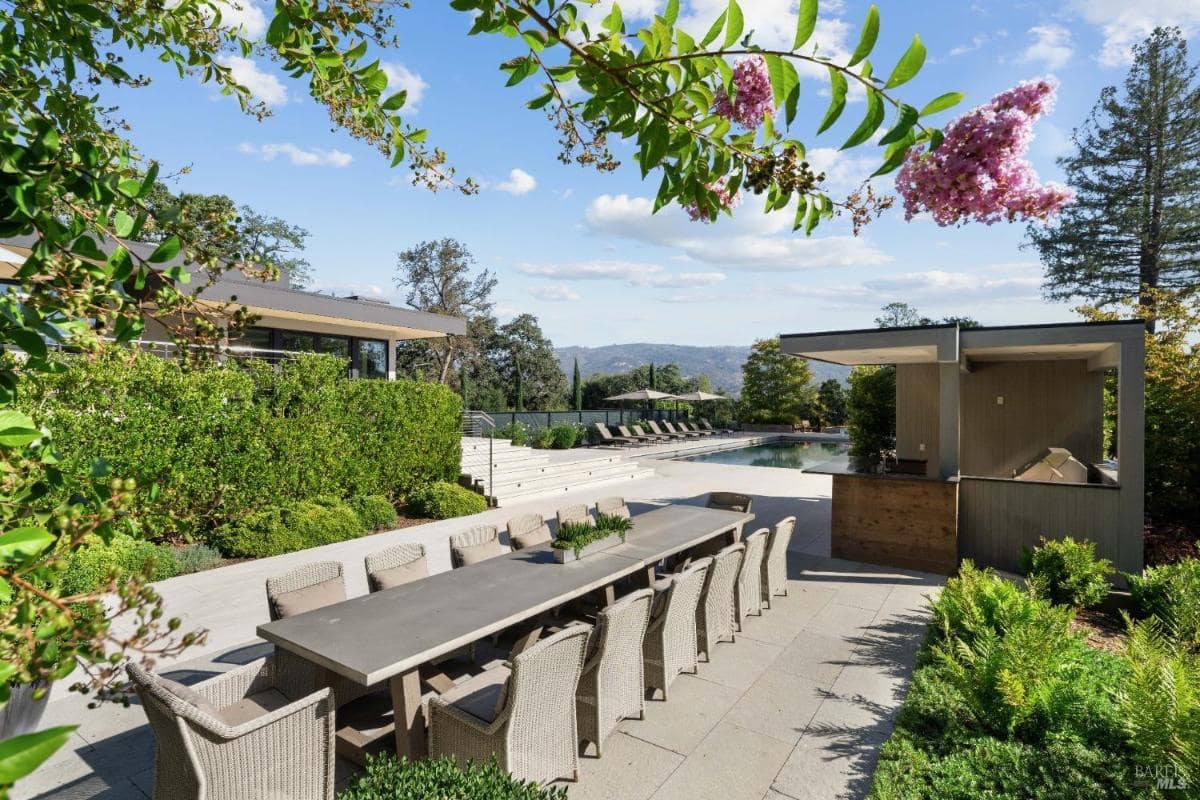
(576, 540)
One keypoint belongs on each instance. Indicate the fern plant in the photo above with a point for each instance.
(1171, 593)
(1067, 572)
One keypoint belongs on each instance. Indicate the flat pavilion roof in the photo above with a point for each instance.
(278, 305)
(1096, 342)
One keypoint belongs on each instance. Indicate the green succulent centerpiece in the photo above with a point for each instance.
(575, 536)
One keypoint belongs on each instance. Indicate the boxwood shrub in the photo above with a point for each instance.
(385, 778)
(89, 567)
(212, 444)
(275, 530)
(443, 500)
(1067, 572)
(374, 510)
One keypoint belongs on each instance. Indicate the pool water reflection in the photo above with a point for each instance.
(788, 455)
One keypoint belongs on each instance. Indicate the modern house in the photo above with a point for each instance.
(288, 320)
(983, 417)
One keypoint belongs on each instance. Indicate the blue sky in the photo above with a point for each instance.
(579, 249)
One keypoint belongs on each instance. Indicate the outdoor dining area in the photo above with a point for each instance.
(521, 652)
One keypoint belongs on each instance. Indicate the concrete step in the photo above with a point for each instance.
(566, 476)
(511, 497)
(518, 459)
(516, 471)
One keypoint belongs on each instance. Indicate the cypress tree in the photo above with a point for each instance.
(577, 388)
(519, 405)
(1135, 224)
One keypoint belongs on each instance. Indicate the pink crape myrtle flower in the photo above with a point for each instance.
(726, 200)
(752, 99)
(980, 172)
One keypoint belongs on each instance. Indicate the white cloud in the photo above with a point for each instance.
(938, 292)
(751, 241)
(694, 297)
(243, 16)
(1125, 23)
(556, 293)
(844, 172)
(300, 157)
(263, 85)
(371, 290)
(632, 272)
(401, 78)
(1051, 46)
(977, 41)
(519, 182)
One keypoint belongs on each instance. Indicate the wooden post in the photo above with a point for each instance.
(409, 715)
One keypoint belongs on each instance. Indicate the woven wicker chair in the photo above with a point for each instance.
(750, 578)
(527, 530)
(730, 501)
(613, 507)
(303, 577)
(523, 715)
(576, 514)
(715, 613)
(612, 687)
(774, 567)
(384, 567)
(670, 645)
(286, 750)
(473, 537)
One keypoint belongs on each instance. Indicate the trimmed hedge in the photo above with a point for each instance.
(276, 530)
(444, 500)
(89, 568)
(385, 778)
(213, 444)
(374, 510)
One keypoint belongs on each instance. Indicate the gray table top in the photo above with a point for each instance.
(371, 638)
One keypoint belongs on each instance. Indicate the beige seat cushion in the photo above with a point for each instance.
(310, 598)
(252, 707)
(405, 573)
(482, 696)
(188, 695)
(473, 554)
(531, 538)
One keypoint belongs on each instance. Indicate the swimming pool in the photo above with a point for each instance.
(789, 455)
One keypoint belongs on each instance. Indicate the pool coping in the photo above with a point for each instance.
(717, 444)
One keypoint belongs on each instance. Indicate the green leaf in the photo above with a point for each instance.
(179, 274)
(870, 123)
(806, 23)
(948, 100)
(278, 29)
(166, 250)
(895, 156)
(395, 102)
(904, 124)
(30, 342)
(909, 64)
(837, 101)
(735, 23)
(866, 42)
(21, 544)
(714, 31)
(123, 224)
(613, 22)
(775, 72)
(672, 12)
(21, 755)
(17, 429)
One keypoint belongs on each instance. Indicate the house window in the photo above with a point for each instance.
(372, 358)
(334, 346)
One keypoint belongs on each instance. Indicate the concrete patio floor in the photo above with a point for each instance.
(796, 708)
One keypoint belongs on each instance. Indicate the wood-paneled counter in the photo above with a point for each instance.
(894, 520)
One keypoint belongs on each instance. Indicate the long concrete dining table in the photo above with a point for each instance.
(388, 635)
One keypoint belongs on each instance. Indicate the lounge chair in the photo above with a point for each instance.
(670, 646)
(715, 613)
(612, 687)
(527, 530)
(643, 438)
(672, 429)
(243, 735)
(475, 544)
(749, 586)
(523, 714)
(639, 431)
(719, 431)
(396, 566)
(669, 434)
(606, 437)
(688, 427)
(578, 514)
(774, 566)
(613, 507)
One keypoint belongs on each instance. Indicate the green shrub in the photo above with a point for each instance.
(275, 530)
(385, 778)
(564, 436)
(514, 432)
(542, 438)
(90, 567)
(374, 510)
(1067, 572)
(1172, 594)
(201, 435)
(196, 558)
(871, 414)
(977, 602)
(1159, 701)
(443, 500)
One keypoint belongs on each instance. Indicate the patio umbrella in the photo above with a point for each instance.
(696, 397)
(641, 394)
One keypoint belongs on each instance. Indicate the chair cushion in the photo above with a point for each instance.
(310, 598)
(188, 695)
(405, 573)
(531, 538)
(254, 706)
(475, 553)
(482, 696)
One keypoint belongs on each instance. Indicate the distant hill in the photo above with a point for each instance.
(723, 365)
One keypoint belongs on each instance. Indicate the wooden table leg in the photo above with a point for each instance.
(410, 715)
(648, 577)
(610, 595)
